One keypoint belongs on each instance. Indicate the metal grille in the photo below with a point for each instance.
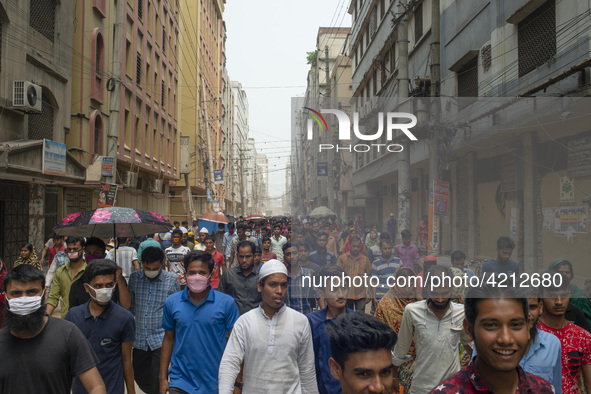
(140, 9)
(536, 38)
(163, 39)
(42, 17)
(468, 79)
(138, 76)
(41, 125)
(162, 95)
(486, 57)
(373, 21)
(14, 219)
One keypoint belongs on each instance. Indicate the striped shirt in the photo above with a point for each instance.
(147, 304)
(383, 269)
(124, 256)
(408, 254)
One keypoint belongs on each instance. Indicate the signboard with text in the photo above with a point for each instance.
(107, 195)
(54, 158)
(440, 197)
(107, 166)
(218, 176)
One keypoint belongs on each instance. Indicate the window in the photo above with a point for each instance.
(536, 38)
(98, 62)
(393, 57)
(468, 79)
(41, 125)
(418, 22)
(140, 9)
(375, 82)
(138, 75)
(373, 21)
(367, 35)
(382, 8)
(96, 124)
(42, 17)
(163, 39)
(162, 98)
(99, 6)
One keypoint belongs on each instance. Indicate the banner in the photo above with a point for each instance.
(322, 169)
(107, 195)
(216, 206)
(54, 158)
(218, 176)
(440, 197)
(107, 166)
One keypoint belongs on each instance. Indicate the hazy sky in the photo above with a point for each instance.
(266, 52)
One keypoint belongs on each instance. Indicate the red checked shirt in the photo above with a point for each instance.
(409, 255)
(458, 383)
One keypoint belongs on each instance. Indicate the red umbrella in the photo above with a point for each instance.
(215, 217)
(254, 217)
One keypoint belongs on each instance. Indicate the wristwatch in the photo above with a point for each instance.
(238, 384)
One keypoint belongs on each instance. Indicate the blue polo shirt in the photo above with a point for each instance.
(105, 334)
(318, 322)
(200, 338)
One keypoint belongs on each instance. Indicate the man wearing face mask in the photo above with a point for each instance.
(436, 324)
(41, 354)
(149, 288)
(109, 328)
(196, 321)
(96, 249)
(66, 275)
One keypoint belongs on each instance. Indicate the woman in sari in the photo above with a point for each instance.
(28, 256)
(390, 311)
(352, 233)
(372, 240)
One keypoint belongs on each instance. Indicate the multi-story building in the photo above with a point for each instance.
(240, 147)
(252, 180)
(262, 174)
(35, 92)
(201, 62)
(145, 138)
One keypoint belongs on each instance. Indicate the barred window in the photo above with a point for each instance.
(468, 79)
(536, 38)
(393, 57)
(140, 9)
(162, 97)
(382, 8)
(418, 22)
(163, 39)
(138, 76)
(42, 17)
(373, 21)
(41, 125)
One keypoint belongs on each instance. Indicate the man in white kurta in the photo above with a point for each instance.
(274, 341)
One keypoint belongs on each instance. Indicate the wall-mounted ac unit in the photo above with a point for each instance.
(129, 179)
(26, 95)
(156, 185)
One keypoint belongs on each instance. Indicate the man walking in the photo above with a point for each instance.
(300, 296)
(227, 242)
(241, 282)
(109, 328)
(241, 231)
(41, 354)
(321, 255)
(406, 251)
(384, 268)
(149, 288)
(125, 256)
(218, 260)
(175, 254)
(277, 242)
(355, 265)
(196, 322)
(274, 342)
(502, 263)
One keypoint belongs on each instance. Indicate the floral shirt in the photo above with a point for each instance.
(458, 383)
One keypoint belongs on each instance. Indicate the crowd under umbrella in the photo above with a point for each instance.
(321, 212)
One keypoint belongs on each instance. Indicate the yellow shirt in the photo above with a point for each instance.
(60, 287)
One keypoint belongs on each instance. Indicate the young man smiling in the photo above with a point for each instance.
(196, 322)
(274, 342)
(497, 321)
(360, 346)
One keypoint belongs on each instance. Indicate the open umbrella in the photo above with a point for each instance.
(215, 217)
(321, 212)
(254, 217)
(112, 222)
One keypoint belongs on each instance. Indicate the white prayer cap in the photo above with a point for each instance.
(272, 267)
(203, 230)
(184, 230)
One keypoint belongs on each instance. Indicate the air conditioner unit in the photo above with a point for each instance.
(129, 179)
(26, 95)
(156, 186)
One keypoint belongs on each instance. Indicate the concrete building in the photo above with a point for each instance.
(320, 178)
(239, 146)
(35, 92)
(262, 175)
(202, 62)
(252, 180)
(146, 138)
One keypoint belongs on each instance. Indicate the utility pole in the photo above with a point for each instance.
(434, 225)
(113, 132)
(404, 192)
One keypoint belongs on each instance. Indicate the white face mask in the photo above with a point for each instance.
(247, 233)
(24, 306)
(102, 295)
(152, 274)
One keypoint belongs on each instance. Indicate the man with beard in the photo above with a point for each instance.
(575, 341)
(41, 354)
(241, 282)
(542, 355)
(66, 275)
(502, 263)
(109, 328)
(436, 325)
(336, 305)
(274, 342)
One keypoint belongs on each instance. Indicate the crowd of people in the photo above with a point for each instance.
(254, 308)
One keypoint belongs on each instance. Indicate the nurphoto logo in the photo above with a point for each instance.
(391, 120)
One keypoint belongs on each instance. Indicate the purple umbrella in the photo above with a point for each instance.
(112, 222)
